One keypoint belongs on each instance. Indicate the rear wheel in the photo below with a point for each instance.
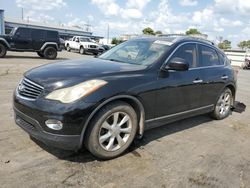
(82, 51)
(112, 130)
(40, 54)
(50, 53)
(223, 105)
(68, 48)
(3, 50)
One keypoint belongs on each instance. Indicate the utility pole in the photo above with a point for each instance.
(108, 35)
(22, 13)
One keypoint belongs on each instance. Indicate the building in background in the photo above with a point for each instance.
(65, 32)
(125, 37)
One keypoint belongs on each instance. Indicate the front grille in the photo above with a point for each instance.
(29, 89)
(24, 123)
(92, 46)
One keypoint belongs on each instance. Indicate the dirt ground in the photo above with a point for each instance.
(196, 152)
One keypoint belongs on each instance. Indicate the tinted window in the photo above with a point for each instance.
(52, 35)
(23, 33)
(187, 52)
(37, 34)
(223, 59)
(85, 40)
(209, 56)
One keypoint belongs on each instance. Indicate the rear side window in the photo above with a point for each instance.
(23, 33)
(38, 34)
(187, 52)
(223, 59)
(52, 35)
(209, 57)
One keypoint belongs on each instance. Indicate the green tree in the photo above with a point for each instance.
(148, 31)
(242, 45)
(116, 41)
(158, 33)
(192, 31)
(226, 44)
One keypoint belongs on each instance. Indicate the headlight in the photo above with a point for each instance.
(71, 94)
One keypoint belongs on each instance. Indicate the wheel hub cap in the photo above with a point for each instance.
(115, 131)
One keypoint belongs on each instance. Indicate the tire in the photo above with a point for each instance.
(50, 53)
(68, 48)
(223, 105)
(40, 54)
(82, 51)
(3, 50)
(106, 139)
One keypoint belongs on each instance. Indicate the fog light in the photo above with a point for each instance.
(54, 124)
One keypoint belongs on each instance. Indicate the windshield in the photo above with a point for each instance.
(139, 52)
(85, 40)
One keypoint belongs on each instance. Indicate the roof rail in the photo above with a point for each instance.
(183, 36)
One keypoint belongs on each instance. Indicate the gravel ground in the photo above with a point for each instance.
(196, 152)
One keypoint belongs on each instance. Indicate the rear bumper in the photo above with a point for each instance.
(32, 127)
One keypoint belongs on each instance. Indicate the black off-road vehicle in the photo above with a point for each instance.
(45, 42)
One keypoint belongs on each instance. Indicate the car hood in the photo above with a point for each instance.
(66, 73)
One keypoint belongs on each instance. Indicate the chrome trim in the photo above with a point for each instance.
(224, 77)
(197, 81)
(179, 113)
(31, 82)
(195, 42)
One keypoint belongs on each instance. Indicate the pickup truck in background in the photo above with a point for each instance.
(83, 45)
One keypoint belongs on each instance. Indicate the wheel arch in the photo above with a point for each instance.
(131, 100)
(232, 88)
(4, 42)
(49, 44)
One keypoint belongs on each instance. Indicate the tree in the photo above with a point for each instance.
(158, 33)
(192, 31)
(226, 44)
(148, 31)
(244, 44)
(116, 41)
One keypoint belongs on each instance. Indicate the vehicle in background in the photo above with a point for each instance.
(22, 39)
(83, 45)
(103, 103)
(247, 61)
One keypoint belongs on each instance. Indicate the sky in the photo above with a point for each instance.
(217, 18)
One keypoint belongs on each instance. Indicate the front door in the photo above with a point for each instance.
(180, 91)
(22, 39)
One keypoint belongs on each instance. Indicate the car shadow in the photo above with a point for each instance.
(30, 57)
(155, 134)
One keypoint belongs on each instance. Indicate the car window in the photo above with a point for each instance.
(23, 33)
(52, 35)
(85, 40)
(37, 34)
(138, 52)
(187, 52)
(223, 59)
(209, 56)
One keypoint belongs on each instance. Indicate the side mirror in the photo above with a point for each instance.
(177, 64)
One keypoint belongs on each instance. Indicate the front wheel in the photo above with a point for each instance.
(223, 105)
(82, 51)
(3, 50)
(50, 53)
(112, 130)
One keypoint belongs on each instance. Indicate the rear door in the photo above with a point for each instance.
(214, 74)
(38, 38)
(180, 91)
(22, 39)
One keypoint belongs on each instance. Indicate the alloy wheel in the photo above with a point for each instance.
(115, 131)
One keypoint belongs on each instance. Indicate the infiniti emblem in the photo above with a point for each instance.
(21, 87)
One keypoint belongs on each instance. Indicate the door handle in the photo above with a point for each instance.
(224, 77)
(197, 81)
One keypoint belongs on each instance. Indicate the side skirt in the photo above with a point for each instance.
(159, 121)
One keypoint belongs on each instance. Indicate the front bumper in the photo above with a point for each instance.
(31, 116)
(32, 127)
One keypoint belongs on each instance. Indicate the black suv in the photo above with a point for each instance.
(104, 102)
(45, 42)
